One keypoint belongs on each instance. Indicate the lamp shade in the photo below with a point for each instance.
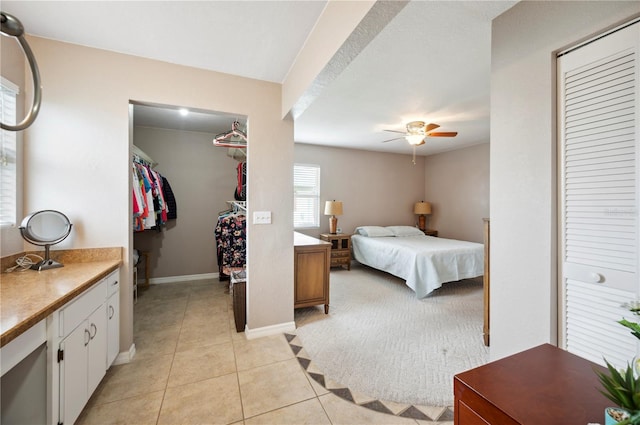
(333, 208)
(422, 208)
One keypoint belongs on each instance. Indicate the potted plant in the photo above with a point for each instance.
(623, 387)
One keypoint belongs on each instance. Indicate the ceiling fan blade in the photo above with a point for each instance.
(396, 131)
(420, 144)
(443, 134)
(430, 127)
(391, 140)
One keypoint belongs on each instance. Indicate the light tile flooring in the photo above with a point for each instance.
(191, 367)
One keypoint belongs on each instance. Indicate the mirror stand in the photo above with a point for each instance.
(47, 263)
(45, 228)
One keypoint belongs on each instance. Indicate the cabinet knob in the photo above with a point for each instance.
(596, 277)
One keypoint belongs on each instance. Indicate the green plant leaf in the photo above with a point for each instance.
(621, 388)
(634, 327)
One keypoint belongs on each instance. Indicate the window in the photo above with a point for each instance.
(8, 94)
(306, 196)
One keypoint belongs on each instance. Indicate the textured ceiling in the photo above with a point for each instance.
(431, 62)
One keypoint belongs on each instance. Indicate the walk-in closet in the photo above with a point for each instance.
(201, 157)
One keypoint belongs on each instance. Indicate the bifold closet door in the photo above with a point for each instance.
(599, 156)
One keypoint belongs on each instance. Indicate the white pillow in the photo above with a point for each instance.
(374, 231)
(405, 231)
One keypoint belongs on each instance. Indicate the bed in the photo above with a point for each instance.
(425, 262)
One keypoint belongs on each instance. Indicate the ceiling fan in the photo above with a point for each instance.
(417, 132)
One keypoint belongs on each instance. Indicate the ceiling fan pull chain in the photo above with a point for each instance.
(414, 154)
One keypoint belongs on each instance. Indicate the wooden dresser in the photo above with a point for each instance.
(340, 249)
(312, 258)
(542, 385)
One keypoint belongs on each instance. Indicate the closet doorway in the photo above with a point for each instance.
(203, 178)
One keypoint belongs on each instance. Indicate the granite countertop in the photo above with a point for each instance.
(26, 297)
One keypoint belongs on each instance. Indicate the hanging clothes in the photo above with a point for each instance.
(231, 243)
(150, 207)
(172, 214)
(241, 189)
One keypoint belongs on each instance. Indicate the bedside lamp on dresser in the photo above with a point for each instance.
(422, 209)
(333, 208)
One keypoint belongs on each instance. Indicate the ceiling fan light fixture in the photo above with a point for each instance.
(414, 127)
(414, 139)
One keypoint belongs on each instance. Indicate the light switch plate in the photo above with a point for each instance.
(262, 217)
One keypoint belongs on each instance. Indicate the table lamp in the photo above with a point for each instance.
(422, 209)
(333, 208)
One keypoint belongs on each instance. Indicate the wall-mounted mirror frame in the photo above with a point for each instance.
(45, 228)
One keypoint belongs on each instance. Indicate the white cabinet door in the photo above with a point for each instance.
(97, 354)
(73, 374)
(599, 155)
(94, 318)
(113, 327)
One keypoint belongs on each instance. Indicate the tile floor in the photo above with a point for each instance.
(191, 367)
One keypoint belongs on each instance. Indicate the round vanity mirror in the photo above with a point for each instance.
(45, 228)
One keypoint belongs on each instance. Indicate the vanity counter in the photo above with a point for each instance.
(27, 297)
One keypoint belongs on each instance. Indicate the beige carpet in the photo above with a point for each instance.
(379, 340)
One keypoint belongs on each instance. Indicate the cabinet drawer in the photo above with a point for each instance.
(338, 254)
(113, 284)
(75, 312)
(467, 416)
(341, 260)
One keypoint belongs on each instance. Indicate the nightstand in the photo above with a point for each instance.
(340, 249)
(430, 232)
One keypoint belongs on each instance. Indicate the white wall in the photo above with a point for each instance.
(457, 186)
(375, 188)
(380, 188)
(77, 159)
(523, 162)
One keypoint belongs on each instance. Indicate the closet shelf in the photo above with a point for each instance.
(238, 205)
(140, 156)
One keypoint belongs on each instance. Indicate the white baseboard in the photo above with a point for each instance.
(183, 278)
(269, 330)
(125, 356)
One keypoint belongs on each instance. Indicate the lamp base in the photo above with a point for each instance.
(333, 224)
(422, 222)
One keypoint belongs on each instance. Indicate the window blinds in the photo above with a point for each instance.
(8, 96)
(306, 196)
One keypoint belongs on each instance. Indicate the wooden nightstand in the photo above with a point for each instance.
(340, 249)
(430, 232)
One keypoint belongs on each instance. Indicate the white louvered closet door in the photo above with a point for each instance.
(599, 110)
